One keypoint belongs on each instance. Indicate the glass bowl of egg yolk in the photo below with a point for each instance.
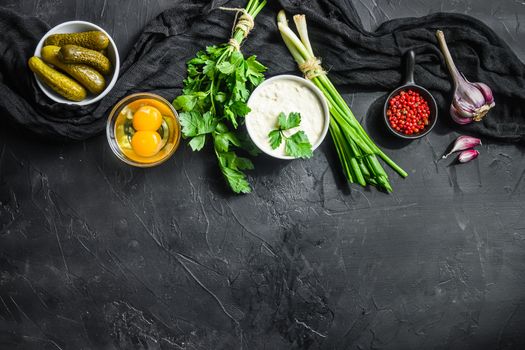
(143, 130)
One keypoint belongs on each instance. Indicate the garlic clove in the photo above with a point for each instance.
(469, 93)
(463, 107)
(487, 93)
(467, 156)
(462, 143)
(459, 117)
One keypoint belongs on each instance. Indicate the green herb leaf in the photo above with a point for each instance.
(230, 116)
(192, 70)
(226, 68)
(239, 91)
(234, 140)
(231, 166)
(244, 163)
(298, 146)
(275, 138)
(254, 71)
(255, 67)
(185, 102)
(240, 75)
(197, 143)
(231, 160)
(236, 58)
(240, 108)
(213, 50)
(194, 124)
(221, 127)
(207, 124)
(220, 97)
(292, 121)
(189, 122)
(237, 180)
(223, 141)
(200, 58)
(209, 69)
(281, 120)
(190, 84)
(247, 144)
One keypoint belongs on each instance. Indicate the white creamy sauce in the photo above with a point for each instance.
(284, 95)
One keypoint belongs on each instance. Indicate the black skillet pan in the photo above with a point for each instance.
(409, 84)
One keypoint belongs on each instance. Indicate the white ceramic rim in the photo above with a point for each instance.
(312, 87)
(116, 66)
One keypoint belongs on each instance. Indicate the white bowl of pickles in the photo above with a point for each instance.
(76, 63)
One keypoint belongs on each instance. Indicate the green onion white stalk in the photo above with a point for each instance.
(357, 152)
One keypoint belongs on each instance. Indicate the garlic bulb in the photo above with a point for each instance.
(471, 101)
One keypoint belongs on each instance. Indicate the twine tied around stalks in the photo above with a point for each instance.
(311, 68)
(235, 44)
(245, 23)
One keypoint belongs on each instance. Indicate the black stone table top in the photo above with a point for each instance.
(97, 255)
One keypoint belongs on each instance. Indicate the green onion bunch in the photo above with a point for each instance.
(357, 152)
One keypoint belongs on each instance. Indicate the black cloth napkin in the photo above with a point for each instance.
(357, 60)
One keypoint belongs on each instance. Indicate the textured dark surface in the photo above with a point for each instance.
(96, 255)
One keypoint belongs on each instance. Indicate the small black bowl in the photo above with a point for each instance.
(409, 84)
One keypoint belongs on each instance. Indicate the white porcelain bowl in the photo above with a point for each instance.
(314, 89)
(75, 27)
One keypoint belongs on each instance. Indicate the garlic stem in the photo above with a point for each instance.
(454, 72)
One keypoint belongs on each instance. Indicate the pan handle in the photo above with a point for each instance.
(410, 61)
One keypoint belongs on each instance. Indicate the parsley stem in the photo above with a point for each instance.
(253, 8)
(213, 110)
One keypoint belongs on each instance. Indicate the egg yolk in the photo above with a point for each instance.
(146, 143)
(147, 118)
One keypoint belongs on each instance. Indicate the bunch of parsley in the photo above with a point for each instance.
(213, 102)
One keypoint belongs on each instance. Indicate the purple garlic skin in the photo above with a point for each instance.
(463, 143)
(471, 101)
(467, 156)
